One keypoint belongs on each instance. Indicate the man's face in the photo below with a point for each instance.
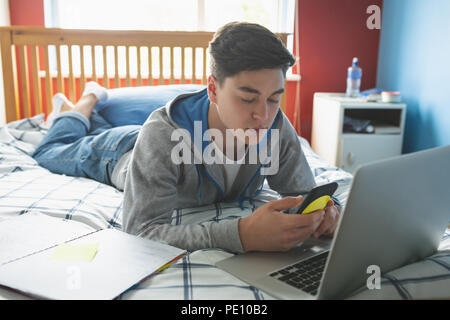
(248, 100)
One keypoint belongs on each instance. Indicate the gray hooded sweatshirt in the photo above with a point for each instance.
(155, 185)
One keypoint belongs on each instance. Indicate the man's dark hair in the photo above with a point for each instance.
(241, 46)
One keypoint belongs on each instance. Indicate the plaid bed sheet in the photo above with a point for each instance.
(26, 187)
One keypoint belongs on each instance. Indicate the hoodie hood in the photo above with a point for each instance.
(188, 108)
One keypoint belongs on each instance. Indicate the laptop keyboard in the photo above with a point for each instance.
(304, 275)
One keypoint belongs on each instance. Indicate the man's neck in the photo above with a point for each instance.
(214, 122)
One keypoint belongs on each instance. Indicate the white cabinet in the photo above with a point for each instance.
(346, 147)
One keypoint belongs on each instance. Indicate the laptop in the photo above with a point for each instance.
(396, 214)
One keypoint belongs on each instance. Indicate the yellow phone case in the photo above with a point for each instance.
(318, 204)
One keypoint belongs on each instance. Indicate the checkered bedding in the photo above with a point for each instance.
(26, 187)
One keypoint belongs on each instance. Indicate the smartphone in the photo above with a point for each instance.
(316, 199)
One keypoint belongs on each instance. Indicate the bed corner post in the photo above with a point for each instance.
(9, 75)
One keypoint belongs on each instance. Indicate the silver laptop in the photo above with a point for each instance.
(396, 214)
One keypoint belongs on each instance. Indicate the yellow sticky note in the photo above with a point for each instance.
(75, 252)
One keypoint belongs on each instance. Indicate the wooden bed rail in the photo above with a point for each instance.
(38, 62)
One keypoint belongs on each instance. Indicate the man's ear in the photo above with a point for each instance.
(212, 86)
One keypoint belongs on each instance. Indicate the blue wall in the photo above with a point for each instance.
(414, 58)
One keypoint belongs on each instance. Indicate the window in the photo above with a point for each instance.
(169, 15)
(123, 15)
(189, 15)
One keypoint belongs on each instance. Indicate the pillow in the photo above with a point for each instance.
(133, 105)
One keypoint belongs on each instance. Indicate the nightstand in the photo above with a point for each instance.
(348, 147)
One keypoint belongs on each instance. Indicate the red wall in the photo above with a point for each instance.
(26, 12)
(331, 33)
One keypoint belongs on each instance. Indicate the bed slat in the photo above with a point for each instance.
(183, 62)
(204, 65)
(48, 82)
(172, 77)
(127, 59)
(116, 67)
(36, 79)
(71, 78)
(82, 73)
(194, 69)
(59, 83)
(105, 68)
(138, 57)
(94, 67)
(150, 66)
(23, 57)
(161, 66)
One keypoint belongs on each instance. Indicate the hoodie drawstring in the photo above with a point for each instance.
(200, 182)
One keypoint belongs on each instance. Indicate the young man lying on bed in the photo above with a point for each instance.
(248, 68)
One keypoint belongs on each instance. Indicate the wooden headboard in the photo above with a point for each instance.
(35, 66)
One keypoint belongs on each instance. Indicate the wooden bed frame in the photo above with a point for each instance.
(29, 83)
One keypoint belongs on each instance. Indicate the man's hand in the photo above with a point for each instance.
(330, 220)
(269, 229)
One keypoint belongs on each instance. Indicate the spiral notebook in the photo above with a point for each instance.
(49, 258)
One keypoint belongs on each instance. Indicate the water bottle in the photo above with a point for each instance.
(354, 74)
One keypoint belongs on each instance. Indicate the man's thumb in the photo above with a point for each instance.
(286, 203)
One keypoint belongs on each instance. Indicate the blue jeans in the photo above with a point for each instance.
(82, 147)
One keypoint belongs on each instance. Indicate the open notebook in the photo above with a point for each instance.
(54, 259)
